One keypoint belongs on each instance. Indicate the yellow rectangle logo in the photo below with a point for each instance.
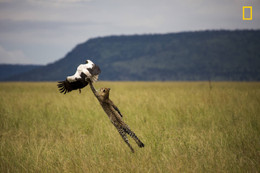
(251, 16)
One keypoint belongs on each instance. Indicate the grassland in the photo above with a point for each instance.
(186, 127)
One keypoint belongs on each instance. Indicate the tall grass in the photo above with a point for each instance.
(185, 126)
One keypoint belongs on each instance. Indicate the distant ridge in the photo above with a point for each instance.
(9, 70)
(203, 55)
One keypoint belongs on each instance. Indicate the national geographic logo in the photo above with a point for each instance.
(247, 13)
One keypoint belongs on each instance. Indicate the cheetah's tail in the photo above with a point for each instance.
(139, 142)
(132, 134)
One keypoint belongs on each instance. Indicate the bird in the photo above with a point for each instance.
(78, 80)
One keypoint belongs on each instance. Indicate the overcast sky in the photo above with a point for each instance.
(43, 31)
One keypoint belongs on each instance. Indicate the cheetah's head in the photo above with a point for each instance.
(104, 92)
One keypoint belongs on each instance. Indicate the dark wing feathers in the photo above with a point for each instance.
(83, 76)
(95, 70)
(66, 86)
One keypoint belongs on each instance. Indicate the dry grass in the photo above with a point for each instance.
(186, 127)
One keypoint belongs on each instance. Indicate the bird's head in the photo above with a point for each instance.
(104, 92)
(89, 62)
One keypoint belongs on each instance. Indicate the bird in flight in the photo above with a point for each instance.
(77, 81)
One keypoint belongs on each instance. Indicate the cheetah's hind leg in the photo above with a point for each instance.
(132, 134)
(123, 135)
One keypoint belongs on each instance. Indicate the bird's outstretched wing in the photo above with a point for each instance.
(66, 86)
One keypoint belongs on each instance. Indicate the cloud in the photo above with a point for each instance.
(45, 30)
(57, 3)
(13, 57)
(60, 1)
(64, 1)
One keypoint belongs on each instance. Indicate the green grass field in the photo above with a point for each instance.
(185, 126)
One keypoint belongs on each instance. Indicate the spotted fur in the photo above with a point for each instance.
(115, 115)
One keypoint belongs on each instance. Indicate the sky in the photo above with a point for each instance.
(44, 31)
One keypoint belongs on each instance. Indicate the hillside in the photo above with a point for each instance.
(204, 55)
(9, 70)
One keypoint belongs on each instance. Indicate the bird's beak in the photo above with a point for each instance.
(86, 61)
